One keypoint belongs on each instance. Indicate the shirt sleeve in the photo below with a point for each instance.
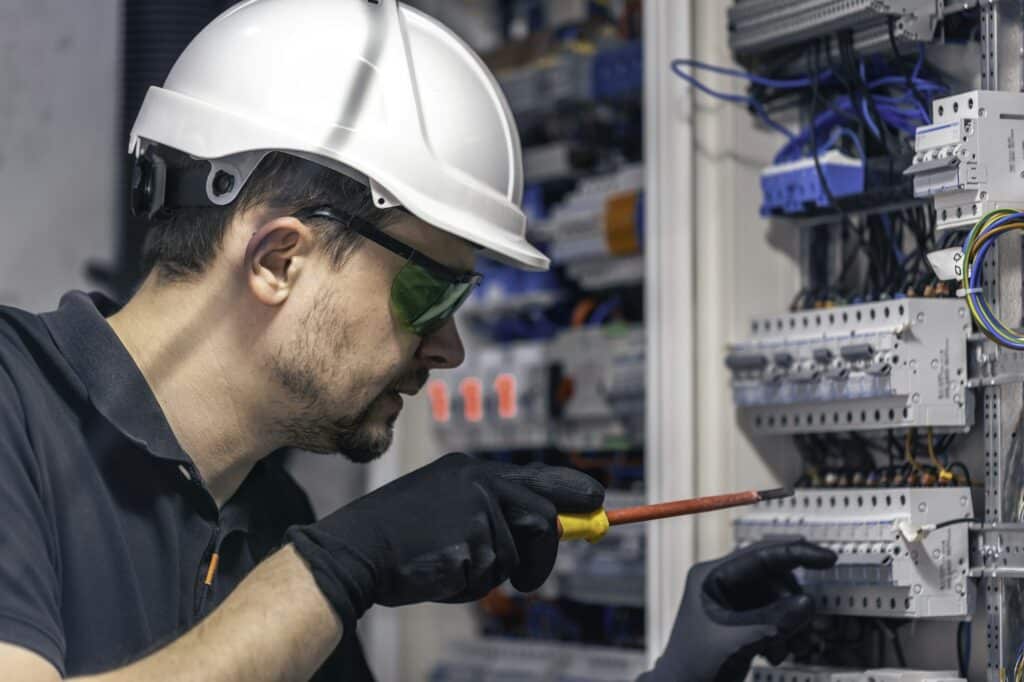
(29, 576)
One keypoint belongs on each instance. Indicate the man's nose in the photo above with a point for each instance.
(443, 348)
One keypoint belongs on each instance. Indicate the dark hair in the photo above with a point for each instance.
(182, 242)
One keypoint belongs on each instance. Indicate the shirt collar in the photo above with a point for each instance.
(114, 383)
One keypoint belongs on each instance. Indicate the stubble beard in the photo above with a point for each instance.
(306, 375)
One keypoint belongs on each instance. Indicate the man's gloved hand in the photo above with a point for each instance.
(734, 608)
(450, 531)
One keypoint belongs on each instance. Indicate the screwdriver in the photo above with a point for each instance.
(593, 525)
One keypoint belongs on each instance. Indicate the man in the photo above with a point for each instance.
(321, 175)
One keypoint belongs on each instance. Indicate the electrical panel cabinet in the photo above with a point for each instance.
(555, 361)
(894, 375)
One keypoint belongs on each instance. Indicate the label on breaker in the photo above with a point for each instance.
(938, 135)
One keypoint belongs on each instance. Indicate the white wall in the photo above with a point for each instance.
(59, 120)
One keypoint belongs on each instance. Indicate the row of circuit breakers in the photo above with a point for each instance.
(903, 552)
(582, 390)
(891, 364)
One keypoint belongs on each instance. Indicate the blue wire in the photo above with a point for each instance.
(677, 65)
(763, 115)
(902, 112)
(602, 311)
(844, 132)
(779, 84)
(895, 116)
(1001, 221)
(727, 96)
(974, 281)
(1020, 651)
(921, 83)
(867, 118)
(980, 300)
(901, 258)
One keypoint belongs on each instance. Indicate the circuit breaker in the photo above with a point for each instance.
(599, 395)
(970, 160)
(499, 399)
(903, 552)
(888, 364)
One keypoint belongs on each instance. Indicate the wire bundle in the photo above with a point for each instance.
(976, 246)
(832, 461)
(897, 101)
(883, 256)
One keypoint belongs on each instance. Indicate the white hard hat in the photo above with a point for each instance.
(370, 88)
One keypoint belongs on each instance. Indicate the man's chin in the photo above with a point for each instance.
(367, 443)
(363, 439)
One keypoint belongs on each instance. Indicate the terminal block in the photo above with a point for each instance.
(814, 673)
(970, 160)
(498, 400)
(883, 365)
(795, 186)
(759, 25)
(899, 555)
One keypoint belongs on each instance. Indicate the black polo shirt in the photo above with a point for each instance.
(107, 530)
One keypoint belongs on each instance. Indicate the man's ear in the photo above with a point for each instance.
(275, 257)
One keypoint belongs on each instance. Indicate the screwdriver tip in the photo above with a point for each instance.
(774, 493)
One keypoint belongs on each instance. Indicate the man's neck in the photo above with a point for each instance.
(184, 340)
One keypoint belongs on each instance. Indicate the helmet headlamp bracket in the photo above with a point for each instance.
(155, 187)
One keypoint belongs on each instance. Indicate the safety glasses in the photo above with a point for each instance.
(424, 293)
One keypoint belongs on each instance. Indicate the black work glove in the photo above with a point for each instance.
(734, 608)
(450, 531)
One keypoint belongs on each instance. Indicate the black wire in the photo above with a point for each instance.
(907, 74)
(963, 646)
(837, 71)
(897, 646)
(953, 522)
(813, 58)
(828, 103)
(861, 88)
(961, 465)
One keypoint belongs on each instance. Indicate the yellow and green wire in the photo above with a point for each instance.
(975, 247)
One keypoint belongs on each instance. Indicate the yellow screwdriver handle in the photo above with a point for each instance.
(590, 526)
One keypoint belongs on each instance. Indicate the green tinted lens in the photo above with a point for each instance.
(424, 302)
